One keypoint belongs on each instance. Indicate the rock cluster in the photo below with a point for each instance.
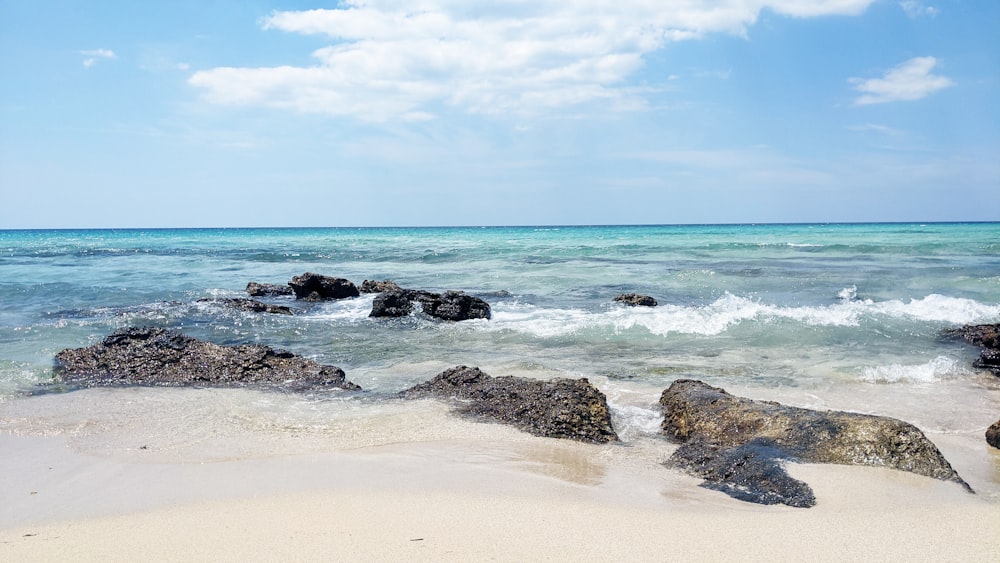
(738, 445)
(155, 356)
(560, 408)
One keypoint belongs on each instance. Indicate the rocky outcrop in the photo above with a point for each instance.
(255, 289)
(454, 306)
(993, 434)
(372, 286)
(560, 408)
(738, 445)
(155, 356)
(248, 305)
(636, 300)
(449, 306)
(392, 304)
(316, 287)
(986, 337)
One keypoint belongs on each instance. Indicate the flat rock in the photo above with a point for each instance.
(316, 287)
(636, 300)
(738, 445)
(559, 408)
(248, 305)
(255, 289)
(160, 357)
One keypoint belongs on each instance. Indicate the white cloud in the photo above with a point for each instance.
(910, 80)
(94, 55)
(391, 58)
(916, 9)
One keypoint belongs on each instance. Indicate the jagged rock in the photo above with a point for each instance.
(636, 300)
(560, 408)
(737, 444)
(249, 305)
(255, 289)
(985, 336)
(454, 306)
(372, 286)
(993, 434)
(155, 356)
(449, 306)
(316, 287)
(392, 304)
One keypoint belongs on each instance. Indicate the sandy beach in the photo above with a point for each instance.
(506, 498)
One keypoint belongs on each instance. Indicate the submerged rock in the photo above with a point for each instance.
(737, 444)
(993, 434)
(249, 305)
(255, 289)
(985, 336)
(636, 300)
(155, 356)
(316, 287)
(560, 408)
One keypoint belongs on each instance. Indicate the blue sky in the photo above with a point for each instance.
(449, 112)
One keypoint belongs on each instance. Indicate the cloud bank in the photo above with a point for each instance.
(392, 59)
(909, 80)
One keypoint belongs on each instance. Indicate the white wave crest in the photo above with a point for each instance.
(937, 369)
(731, 310)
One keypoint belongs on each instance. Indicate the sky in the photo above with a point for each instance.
(243, 113)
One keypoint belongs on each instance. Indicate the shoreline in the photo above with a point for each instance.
(458, 499)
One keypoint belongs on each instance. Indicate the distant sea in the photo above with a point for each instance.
(842, 316)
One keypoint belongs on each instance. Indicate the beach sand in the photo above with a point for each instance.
(508, 498)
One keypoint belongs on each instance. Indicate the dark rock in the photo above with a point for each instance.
(255, 289)
(249, 305)
(371, 286)
(155, 356)
(392, 304)
(722, 433)
(636, 300)
(449, 306)
(986, 337)
(560, 408)
(993, 435)
(316, 287)
(454, 306)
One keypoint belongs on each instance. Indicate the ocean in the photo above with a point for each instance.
(828, 316)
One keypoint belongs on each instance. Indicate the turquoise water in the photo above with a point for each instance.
(835, 316)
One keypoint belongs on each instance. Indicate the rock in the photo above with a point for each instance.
(392, 304)
(454, 306)
(255, 289)
(370, 286)
(560, 408)
(449, 306)
(986, 337)
(249, 305)
(155, 356)
(636, 300)
(737, 444)
(993, 434)
(316, 287)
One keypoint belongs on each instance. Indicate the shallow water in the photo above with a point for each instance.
(823, 316)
